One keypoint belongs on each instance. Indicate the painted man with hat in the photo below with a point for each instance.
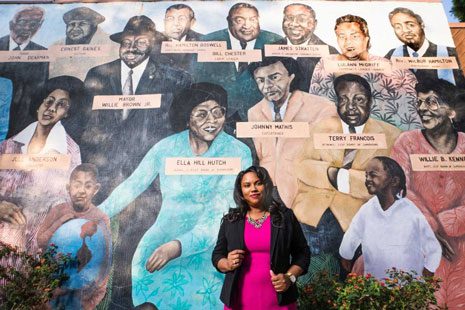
(117, 140)
(82, 27)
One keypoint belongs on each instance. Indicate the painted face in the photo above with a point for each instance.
(178, 23)
(244, 24)
(432, 111)
(298, 24)
(377, 180)
(252, 189)
(274, 82)
(82, 189)
(134, 50)
(408, 30)
(353, 104)
(77, 30)
(25, 26)
(54, 108)
(207, 120)
(351, 40)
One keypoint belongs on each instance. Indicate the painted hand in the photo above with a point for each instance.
(12, 214)
(162, 255)
(88, 229)
(447, 250)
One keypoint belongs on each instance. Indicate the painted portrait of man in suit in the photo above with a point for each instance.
(410, 30)
(26, 77)
(331, 182)
(299, 24)
(134, 73)
(178, 22)
(277, 79)
(243, 33)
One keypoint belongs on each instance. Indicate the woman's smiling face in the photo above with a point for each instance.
(252, 189)
(207, 120)
(432, 111)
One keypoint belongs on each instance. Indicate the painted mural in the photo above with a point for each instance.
(123, 125)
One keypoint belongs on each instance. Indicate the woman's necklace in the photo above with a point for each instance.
(257, 223)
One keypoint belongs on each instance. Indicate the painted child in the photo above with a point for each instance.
(80, 228)
(390, 228)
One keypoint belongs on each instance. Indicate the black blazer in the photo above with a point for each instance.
(288, 247)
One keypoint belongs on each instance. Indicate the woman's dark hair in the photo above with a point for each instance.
(444, 89)
(70, 84)
(459, 107)
(291, 65)
(188, 98)
(269, 204)
(362, 23)
(393, 169)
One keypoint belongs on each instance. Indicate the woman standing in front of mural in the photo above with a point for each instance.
(36, 190)
(393, 93)
(439, 194)
(261, 247)
(171, 266)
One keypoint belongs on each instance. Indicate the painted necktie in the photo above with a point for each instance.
(242, 65)
(127, 91)
(277, 115)
(349, 154)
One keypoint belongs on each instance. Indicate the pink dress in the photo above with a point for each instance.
(255, 290)
(440, 195)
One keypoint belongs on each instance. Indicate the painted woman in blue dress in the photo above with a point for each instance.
(171, 267)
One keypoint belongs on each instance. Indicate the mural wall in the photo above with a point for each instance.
(124, 125)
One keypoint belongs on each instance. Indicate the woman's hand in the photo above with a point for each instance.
(280, 281)
(162, 255)
(235, 258)
(232, 261)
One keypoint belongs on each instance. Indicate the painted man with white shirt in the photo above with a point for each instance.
(134, 73)
(299, 23)
(243, 33)
(392, 231)
(410, 30)
(27, 77)
(178, 22)
(277, 79)
(331, 181)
